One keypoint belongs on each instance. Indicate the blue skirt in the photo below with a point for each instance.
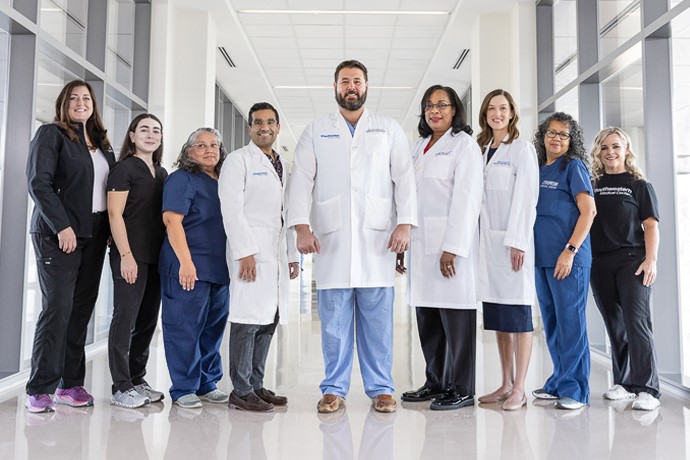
(507, 318)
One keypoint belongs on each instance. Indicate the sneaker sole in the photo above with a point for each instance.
(215, 401)
(37, 410)
(624, 398)
(189, 406)
(70, 402)
(128, 406)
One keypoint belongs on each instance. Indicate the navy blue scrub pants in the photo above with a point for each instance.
(69, 287)
(562, 304)
(193, 326)
(623, 302)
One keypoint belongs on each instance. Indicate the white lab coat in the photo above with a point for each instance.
(509, 208)
(251, 201)
(449, 192)
(353, 191)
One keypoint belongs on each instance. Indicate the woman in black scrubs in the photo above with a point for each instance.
(625, 238)
(135, 197)
(67, 170)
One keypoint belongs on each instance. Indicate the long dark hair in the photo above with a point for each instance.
(129, 149)
(94, 125)
(459, 121)
(486, 134)
(185, 163)
(576, 147)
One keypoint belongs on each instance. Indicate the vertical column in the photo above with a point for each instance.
(183, 68)
(545, 65)
(524, 65)
(13, 238)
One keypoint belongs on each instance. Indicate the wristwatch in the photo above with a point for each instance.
(571, 248)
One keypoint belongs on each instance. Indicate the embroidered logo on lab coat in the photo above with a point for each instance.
(443, 153)
(330, 136)
(375, 130)
(502, 163)
(260, 173)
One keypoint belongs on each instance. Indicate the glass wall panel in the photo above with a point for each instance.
(568, 103)
(66, 20)
(681, 146)
(4, 72)
(564, 42)
(622, 105)
(120, 48)
(619, 20)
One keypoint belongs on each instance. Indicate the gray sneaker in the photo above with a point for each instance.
(215, 396)
(188, 401)
(145, 390)
(129, 399)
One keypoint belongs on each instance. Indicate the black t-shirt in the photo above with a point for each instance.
(622, 204)
(142, 214)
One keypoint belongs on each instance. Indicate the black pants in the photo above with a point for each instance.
(69, 287)
(135, 316)
(448, 339)
(623, 302)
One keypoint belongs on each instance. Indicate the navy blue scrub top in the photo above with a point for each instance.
(557, 212)
(196, 197)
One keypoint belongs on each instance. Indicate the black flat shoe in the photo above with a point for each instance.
(422, 394)
(452, 401)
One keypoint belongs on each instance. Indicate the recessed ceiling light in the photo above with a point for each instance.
(331, 87)
(378, 12)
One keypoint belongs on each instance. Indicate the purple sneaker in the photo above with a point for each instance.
(39, 403)
(75, 397)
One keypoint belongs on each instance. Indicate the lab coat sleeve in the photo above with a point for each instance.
(231, 190)
(402, 174)
(290, 234)
(467, 200)
(523, 208)
(301, 182)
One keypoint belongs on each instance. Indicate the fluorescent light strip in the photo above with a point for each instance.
(372, 12)
(331, 87)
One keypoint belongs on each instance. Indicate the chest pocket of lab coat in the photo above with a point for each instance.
(377, 147)
(499, 177)
(439, 167)
(328, 218)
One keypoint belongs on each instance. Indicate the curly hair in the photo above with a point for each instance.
(487, 133)
(185, 163)
(576, 147)
(629, 163)
(458, 123)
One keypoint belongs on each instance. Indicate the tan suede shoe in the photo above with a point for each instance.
(330, 403)
(384, 403)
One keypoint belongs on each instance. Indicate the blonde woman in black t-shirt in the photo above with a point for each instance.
(135, 196)
(625, 238)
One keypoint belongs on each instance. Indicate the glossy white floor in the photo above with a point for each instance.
(161, 431)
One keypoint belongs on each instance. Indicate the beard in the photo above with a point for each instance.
(351, 105)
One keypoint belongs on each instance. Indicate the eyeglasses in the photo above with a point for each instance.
(260, 123)
(206, 147)
(440, 106)
(562, 136)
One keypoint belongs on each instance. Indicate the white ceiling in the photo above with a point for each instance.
(404, 54)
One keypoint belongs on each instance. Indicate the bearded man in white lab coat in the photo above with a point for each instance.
(353, 182)
(261, 257)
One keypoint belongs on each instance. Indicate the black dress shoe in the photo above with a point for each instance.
(452, 401)
(422, 394)
(270, 397)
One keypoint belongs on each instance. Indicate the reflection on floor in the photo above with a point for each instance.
(161, 431)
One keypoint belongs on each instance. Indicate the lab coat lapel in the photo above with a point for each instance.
(263, 159)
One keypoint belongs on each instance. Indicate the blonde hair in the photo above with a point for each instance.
(630, 162)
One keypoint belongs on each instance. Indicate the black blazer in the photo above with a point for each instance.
(60, 179)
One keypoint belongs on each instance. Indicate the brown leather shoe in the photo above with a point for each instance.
(384, 404)
(251, 402)
(270, 397)
(330, 403)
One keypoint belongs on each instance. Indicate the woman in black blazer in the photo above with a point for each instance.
(67, 170)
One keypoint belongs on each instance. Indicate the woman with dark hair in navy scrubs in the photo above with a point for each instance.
(194, 275)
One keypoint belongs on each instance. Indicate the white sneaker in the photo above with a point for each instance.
(618, 393)
(215, 396)
(129, 399)
(145, 390)
(542, 394)
(569, 404)
(645, 401)
(188, 401)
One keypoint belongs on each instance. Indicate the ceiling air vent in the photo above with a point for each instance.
(461, 59)
(225, 54)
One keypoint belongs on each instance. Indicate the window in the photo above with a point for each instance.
(564, 42)
(619, 20)
(120, 47)
(66, 20)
